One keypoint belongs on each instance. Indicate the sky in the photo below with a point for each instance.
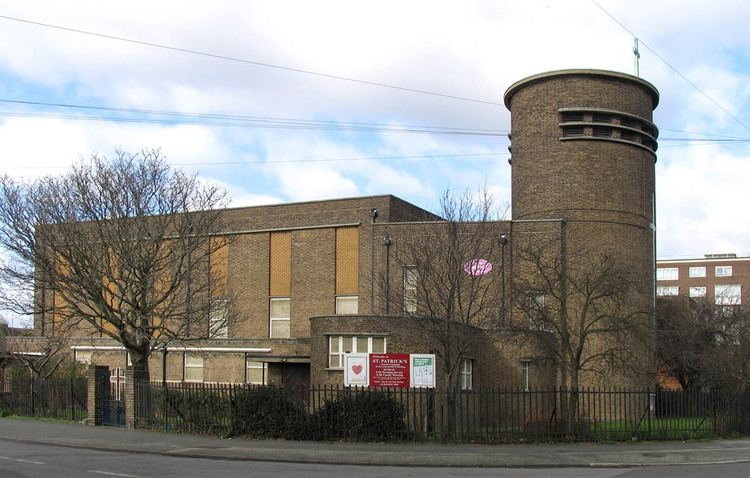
(299, 100)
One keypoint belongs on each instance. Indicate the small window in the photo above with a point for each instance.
(667, 273)
(627, 135)
(602, 132)
(697, 272)
(193, 368)
(467, 374)
(257, 372)
(347, 305)
(667, 290)
(525, 366)
(697, 291)
(723, 271)
(340, 345)
(280, 318)
(83, 356)
(728, 294)
(218, 327)
(537, 312)
(411, 277)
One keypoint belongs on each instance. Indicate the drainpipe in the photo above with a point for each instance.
(373, 217)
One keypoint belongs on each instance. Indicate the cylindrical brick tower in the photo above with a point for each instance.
(583, 151)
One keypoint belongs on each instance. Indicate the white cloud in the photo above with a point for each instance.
(474, 49)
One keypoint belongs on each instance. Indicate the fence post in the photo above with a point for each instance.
(97, 390)
(72, 401)
(33, 398)
(136, 404)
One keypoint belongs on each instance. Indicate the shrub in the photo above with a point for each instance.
(360, 415)
(267, 412)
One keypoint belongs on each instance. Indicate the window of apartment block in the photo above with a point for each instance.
(257, 372)
(347, 305)
(411, 278)
(280, 318)
(83, 356)
(218, 326)
(193, 368)
(467, 374)
(698, 291)
(667, 273)
(723, 271)
(667, 290)
(339, 345)
(728, 294)
(697, 272)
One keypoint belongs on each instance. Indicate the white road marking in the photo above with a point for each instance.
(21, 460)
(111, 473)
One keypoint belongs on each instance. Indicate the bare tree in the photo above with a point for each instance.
(702, 345)
(40, 356)
(119, 248)
(449, 282)
(577, 308)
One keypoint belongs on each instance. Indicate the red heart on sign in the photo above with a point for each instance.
(356, 368)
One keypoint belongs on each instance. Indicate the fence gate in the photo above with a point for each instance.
(114, 403)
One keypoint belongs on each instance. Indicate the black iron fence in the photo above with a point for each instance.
(63, 399)
(487, 416)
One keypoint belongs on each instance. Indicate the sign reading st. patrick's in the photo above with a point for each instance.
(389, 370)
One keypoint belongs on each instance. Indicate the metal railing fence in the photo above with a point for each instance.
(484, 416)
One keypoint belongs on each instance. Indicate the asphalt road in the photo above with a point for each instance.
(18, 460)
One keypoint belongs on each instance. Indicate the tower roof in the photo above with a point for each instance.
(580, 72)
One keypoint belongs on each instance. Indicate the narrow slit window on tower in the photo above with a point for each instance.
(602, 132)
(601, 118)
(569, 131)
(570, 116)
(629, 122)
(627, 135)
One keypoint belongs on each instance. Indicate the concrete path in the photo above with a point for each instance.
(383, 454)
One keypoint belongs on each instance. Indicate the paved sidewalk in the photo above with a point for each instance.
(567, 455)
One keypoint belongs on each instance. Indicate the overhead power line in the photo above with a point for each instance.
(242, 118)
(671, 67)
(257, 124)
(309, 160)
(250, 62)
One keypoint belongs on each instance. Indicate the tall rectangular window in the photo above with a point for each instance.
(697, 272)
(257, 372)
(280, 327)
(411, 277)
(728, 294)
(467, 374)
(667, 273)
(280, 285)
(723, 271)
(341, 344)
(218, 326)
(193, 368)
